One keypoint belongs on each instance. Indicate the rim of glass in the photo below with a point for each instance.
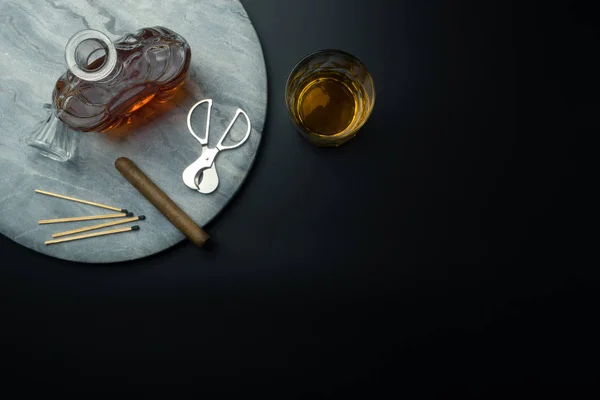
(322, 51)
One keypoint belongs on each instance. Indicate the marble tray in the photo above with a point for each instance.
(227, 66)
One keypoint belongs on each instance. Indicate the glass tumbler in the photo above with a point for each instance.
(329, 94)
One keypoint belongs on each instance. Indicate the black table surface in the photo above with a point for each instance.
(443, 249)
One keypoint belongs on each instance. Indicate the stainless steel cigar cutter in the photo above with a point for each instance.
(202, 175)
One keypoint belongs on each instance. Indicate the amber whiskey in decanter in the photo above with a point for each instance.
(107, 82)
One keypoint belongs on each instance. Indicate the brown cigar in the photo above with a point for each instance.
(161, 201)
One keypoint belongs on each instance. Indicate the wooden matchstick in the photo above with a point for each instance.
(91, 203)
(86, 218)
(91, 228)
(90, 235)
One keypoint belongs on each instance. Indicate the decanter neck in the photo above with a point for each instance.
(90, 55)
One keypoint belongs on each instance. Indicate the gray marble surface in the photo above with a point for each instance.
(227, 66)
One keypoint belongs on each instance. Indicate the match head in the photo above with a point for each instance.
(142, 217)
(130, 214)
(124, 210)
(135, 228)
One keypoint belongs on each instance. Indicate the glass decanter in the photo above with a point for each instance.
(107, 82)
